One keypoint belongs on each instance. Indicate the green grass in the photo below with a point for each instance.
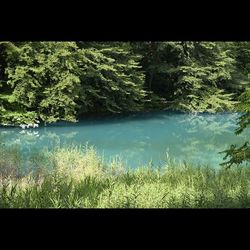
(78, 178)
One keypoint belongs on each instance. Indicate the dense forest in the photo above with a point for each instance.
(52, 81)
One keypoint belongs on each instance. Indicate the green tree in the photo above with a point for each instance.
(54, 81)
(43, 81)
(241, 53)
(111, 78)
(237, 155)
(191, 76)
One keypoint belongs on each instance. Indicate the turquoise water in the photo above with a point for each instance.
(140, 138)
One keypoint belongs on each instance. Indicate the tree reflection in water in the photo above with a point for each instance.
(208, 134)
(139, 139)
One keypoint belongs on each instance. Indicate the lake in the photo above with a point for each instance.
(140, 138)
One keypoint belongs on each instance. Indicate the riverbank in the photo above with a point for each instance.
(77, 178)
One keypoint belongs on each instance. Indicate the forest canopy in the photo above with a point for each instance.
(52, 81)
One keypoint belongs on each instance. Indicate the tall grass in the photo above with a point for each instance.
(78, 178)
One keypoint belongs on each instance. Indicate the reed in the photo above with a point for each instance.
(77, 177)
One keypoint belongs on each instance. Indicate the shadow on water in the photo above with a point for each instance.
(116, 118)
(139, 138)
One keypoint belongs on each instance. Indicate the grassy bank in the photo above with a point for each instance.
(78, 178)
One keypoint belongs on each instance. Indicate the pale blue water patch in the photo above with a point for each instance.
(140, 138)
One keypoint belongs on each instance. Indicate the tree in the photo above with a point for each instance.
(241, 53)
(54, 81)
(240, 154)
(43, 81)
(111, 77)
(190, 76)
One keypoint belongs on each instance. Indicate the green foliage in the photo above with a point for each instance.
(191, 76)
(83, 181)
(240, 154)
(54, 81)
(206, 100)
(60, 80)
(237, 155)
(111, 78)
(244, 106)
(44, 80)
(15, 118)
(200, 82)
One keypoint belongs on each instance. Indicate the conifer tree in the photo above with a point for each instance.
(189, 75)
(54, 81)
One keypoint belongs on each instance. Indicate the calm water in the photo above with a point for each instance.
(140, 138)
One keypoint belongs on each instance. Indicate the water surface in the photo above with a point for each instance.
(140, 138)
